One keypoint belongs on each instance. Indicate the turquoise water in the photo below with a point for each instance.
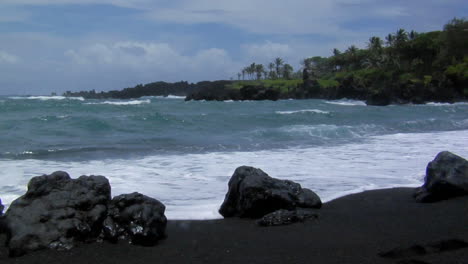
(184, 152)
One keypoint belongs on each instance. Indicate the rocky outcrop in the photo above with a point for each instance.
(252, 193)
(58, 212)
(286, 217)
(446, 177)
(258, 93)
(135, 217)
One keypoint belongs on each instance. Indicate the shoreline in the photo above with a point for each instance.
(355, 228)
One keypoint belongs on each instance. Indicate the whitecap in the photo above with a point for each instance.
(347, 102)
(315, 111)
(174, 97)
(133, 102)
(45, 98)
(446, 104)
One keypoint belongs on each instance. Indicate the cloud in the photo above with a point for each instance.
(8, 58)
(267, 51)
(161, 57)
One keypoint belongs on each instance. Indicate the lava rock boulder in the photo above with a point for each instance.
(135, 217)
(57, 212)
(287, 217)
(253, 194)
(446, 177)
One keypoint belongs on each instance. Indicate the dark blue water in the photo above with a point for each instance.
(58, 128)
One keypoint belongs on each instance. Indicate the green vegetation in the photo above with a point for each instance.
(405, 67)
(278, 84)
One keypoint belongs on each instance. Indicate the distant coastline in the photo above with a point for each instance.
(408, 67)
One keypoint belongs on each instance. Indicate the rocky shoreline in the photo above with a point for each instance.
(381, 226)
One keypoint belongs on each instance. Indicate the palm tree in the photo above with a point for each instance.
(375, 53)
(401, 37)
(336, 60)
(243, 74)
(271, 68)
(259, 69)
(287, 71)
(252, 68)
(307, 63)
(375, 44)
(389, 40)
(278, 63)
(350, 58)
(413, 35)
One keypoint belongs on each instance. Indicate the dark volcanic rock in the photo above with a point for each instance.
(56, 212)
(379, 99)
(286, 217)
(136, 217)
(257, 93)
(446, 177)
(252, 193)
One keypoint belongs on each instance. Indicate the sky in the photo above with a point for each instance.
(71, 45)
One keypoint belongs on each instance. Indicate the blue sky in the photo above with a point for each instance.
(57, 45)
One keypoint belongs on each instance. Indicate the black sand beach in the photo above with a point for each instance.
(351, 229)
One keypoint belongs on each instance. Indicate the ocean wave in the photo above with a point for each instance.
(133, 102)
(164, 97)
(194, 185)
(446, 104)
(347, 102)
(324, 131)
(315, 111)
(174, 97)
(45, 98)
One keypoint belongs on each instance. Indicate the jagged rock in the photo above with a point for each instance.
(286, 217)
(257, 93)
(135, 217)
(252, 193)
(379, 99)
(56, 212)
(446, 177)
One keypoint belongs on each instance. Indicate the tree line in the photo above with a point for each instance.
(276, 69)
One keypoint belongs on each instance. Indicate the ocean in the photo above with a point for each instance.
(183, 153)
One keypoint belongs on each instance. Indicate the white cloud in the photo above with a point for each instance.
(267, 51)
(141, 55)
(6, 57)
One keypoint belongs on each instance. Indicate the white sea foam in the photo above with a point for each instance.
(166, 97)
(347, 102)
(45, 98)
(132, 102)
(446, 104)
(194, 185)
(315, 111)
